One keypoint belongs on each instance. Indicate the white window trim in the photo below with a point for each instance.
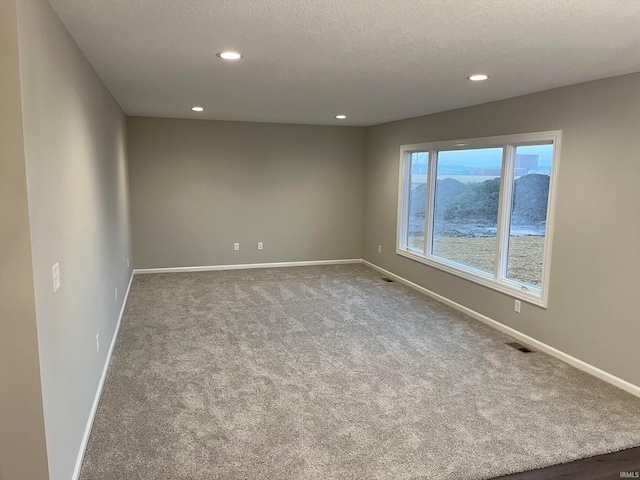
(497, 280)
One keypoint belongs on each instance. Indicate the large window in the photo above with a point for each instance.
(482, 209)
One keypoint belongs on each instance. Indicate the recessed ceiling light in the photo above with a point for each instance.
(198, 109)
(478, 77)
(341, 117)
(229, 55)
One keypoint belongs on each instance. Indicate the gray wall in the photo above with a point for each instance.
(199, 186)
(22, 441)
(75, 150)
(595, 271)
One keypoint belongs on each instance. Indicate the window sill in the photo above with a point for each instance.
(504, 286)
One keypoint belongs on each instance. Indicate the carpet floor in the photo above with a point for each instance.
(331, 373)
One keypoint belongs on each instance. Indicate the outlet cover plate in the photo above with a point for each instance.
(56, 277)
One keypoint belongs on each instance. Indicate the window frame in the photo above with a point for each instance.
(498, 280)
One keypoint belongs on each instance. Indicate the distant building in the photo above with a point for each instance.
(526, 163)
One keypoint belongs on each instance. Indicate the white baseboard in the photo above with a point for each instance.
(94, 407)
(575, 362)
(245, 266)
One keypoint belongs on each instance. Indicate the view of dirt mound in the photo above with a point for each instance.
(530, 199)
(460, 205)
(473, 203)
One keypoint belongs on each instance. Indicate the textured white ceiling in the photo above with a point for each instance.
(374, 60)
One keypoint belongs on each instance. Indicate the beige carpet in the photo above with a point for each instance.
(331, 373)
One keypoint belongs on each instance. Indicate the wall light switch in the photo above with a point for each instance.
(236, 246)
(379, 248)
(98, 342)
(116, 295)
(56, 277)
(517, 306)
(260, 246)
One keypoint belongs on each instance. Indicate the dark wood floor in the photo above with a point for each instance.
(602, 467)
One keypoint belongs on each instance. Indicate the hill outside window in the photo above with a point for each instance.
(482, 209)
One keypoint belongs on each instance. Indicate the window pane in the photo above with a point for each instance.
(417, 200)
(529, 214)
(466, 209)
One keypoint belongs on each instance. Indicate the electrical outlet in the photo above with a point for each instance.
(56, 277)
(236, 246)
(517, 306)
(260, 246)
(97, 342)
(116, 295)
(379, 248)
